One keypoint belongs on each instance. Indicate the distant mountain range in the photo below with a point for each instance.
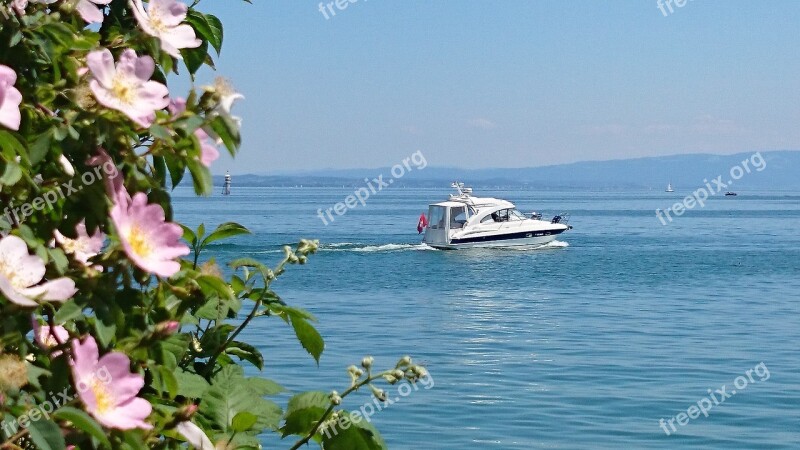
(780, 171)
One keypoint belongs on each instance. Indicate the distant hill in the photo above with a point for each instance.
(684, 171)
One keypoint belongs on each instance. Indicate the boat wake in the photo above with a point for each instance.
(365, 248)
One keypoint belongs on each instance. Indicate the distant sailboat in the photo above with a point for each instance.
(669, 188)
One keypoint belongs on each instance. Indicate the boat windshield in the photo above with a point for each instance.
(504, 215)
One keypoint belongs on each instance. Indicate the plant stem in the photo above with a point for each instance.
(212, 361)
(328, 411)
(9, 444)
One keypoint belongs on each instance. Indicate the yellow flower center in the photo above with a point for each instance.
(122, 90)
(8, 272)
(72, 245)
(138, 242)
(102, 397)
(157, 24)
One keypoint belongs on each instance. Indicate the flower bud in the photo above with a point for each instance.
(367, 362)
(380, 394)
(390, 378)
(186, 413)
(399, 374)
(335, 398)
(404, 361)
(168, 328)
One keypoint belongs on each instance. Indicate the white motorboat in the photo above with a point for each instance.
(465, 221)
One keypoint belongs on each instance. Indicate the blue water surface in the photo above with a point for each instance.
(586, 344)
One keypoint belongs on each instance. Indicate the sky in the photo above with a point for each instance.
(512, 83)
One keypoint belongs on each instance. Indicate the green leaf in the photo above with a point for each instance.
(264, 386)
(105, 327)
(231, 394)
(12, 174)
(164, 380)
(303, 412)
(216, 30)
(177, 169)
(191, 385)
(82, 421)
(309, 337)
(246, 352)
(68, 311)
(188, 235)
(195, 57)
(225, 231)
(226, 130)
(352, 435)
(201, 177)
(211, 284)
(243, 421)
(46, 435)
(40, 147)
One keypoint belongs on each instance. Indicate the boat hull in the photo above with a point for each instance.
(520, 239)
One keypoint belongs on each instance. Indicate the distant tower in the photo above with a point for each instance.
(226, 188)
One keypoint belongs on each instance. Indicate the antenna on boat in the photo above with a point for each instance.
(459, 186)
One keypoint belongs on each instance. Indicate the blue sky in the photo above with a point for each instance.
(506, 83)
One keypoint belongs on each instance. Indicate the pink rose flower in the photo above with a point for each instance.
(163, 19)
(10, 98)
(126, 86)
(108, 388)
(149, 240)
(21, 273)
(89, 12)
(48, 337)
(84, 246)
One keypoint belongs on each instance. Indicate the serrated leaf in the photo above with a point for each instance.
(265, 386)
(309, 337)
(303, 412)
(216, 30)
(191, 385)
(246, 352)
(243, 421)
(231, 394)
(352, 435)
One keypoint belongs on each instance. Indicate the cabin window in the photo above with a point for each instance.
(458, 217)
(436, 217)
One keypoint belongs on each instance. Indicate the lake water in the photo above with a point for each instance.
(586, 344)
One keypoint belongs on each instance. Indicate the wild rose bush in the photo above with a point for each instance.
(112, 334)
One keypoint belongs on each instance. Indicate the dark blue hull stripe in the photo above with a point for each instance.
(506, 237)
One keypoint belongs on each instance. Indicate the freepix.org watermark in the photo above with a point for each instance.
(712, 188)
(415, 161)
(715, 398)
(343, 421)
(667, 5)
(17, 214)
(53, 402)
(329, 10)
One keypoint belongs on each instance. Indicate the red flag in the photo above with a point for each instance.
(423, 222)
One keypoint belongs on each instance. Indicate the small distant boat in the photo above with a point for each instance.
(669, 188)
(731, 194)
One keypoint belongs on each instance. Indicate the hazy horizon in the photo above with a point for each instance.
(523, 84)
